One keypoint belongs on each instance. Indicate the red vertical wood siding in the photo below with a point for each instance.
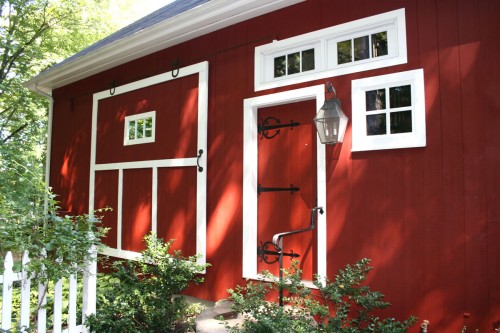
(428, 217)
(177, 207)
(106, 195)
(136, 216)
(176, 106)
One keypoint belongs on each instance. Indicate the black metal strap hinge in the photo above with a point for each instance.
(272, 123)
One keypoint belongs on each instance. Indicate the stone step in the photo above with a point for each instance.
(209, 320)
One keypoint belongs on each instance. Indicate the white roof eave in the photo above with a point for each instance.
(211, 16)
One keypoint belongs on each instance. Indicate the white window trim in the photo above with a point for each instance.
(200, 69)
(324, 42)
(127, 141)
(250, 181)
(417, 138)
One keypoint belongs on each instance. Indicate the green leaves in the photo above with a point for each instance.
(141, 295)
(345, 304)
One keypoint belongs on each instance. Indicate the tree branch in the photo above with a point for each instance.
(14, 133)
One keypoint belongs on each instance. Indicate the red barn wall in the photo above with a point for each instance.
(429, 218)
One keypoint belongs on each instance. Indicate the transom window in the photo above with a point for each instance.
(361, 48)
(389, 111)
(140, 128)
(369, 43)
(293, 63)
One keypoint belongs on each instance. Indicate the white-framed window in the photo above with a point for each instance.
(140, 128)
(369, 43)
(388, 111)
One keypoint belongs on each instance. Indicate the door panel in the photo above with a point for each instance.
(289, 158)
(177, 208)
(137, 200)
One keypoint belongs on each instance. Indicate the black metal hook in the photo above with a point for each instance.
(112, 87)
(200, 168)
(175, 65)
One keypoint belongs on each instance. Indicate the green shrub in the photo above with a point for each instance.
(343, 305)
(58, 246)
(140, 295)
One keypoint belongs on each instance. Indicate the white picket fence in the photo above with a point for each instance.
(87, 292)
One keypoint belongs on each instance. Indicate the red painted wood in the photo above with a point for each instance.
(136, 216)
(177, 208)
(106, 195)
(176, 106)
(427, 216)
(71, 153)
(289, 158)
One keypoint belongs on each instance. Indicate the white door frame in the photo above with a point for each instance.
(250, 182)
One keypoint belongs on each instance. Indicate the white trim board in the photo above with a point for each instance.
(250, 182)
(201, 69)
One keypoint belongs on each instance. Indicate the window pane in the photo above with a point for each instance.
(344, 52)
(400, 96)
(294, 63)
(361, 50)
(375, 124)
(279, 66)
(308, 60)
(140, 128)
(131, 130)
(401, 122)
(379, 44)
(375, 100)
(149, 127)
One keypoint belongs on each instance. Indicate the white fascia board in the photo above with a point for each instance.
(199, 21)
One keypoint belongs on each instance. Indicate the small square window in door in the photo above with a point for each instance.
(287, 173)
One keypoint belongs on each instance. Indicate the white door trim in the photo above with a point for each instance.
(250, 182)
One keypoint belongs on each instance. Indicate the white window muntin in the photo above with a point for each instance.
(361, 141)
(143, 137)
(326, 50)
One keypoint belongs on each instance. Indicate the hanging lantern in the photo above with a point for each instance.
(331, 122)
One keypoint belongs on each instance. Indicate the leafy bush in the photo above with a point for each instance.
(140, 296)
(58, 246)
(343, 305)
